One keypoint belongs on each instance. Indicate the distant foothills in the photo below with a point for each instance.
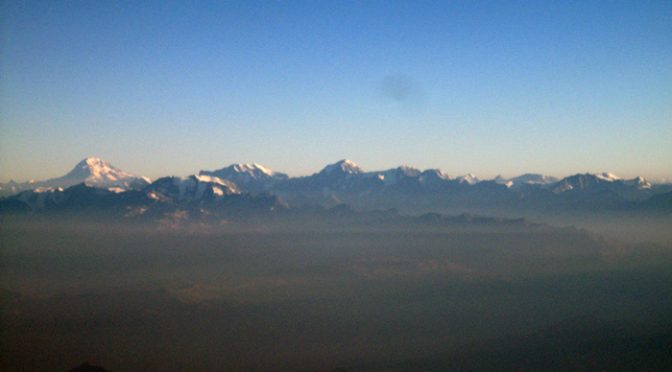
(96, 186)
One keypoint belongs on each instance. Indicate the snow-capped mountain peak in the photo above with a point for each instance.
(432, 176)
(343, 166)
(252, 169)
(251, 176)
(190, 188)
(240, 171)
(469, 178)
(609, 177)
(640, 183)
(92, 171)
(96, 170)
(526, 179)
(392, 176)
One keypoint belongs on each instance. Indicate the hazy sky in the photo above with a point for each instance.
(488, 87)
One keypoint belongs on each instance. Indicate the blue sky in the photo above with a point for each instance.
(489, 87)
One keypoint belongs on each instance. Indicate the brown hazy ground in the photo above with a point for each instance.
(487, 299)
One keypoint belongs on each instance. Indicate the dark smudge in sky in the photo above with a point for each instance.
(403, 90)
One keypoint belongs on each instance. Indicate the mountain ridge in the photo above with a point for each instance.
(345, 182)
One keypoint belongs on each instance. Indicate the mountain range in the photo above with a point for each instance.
(252, 189)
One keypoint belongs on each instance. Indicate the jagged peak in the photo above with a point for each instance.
(192, 184)
(469, 178)
(250, 171)
(251, 167)
(596, 177)
(436, 172)
(393, 175)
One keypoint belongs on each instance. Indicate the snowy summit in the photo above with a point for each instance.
(91, 171)
(96, 172)
(344, 166)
